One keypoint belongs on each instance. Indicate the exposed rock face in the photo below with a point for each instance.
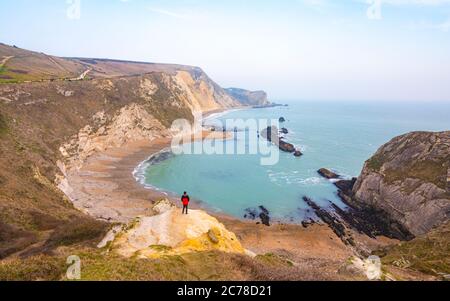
(328, 174)
(132, 123)
(171, 233)
(249, 98)
(201, 94)
(407, 179)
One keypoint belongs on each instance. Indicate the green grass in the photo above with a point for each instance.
(375, 163)
(428, 171)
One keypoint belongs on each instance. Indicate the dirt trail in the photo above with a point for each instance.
(5, 60)
(82, 75)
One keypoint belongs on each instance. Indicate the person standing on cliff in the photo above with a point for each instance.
(185, 199)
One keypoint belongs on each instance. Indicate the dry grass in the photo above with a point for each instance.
(428, 254)
(210, 266)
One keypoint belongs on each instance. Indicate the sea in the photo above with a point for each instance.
(336, 135)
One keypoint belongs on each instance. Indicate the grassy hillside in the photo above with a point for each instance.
(22, 65)
(33, 212)
(19, 65)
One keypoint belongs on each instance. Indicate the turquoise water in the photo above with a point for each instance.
(339, 136)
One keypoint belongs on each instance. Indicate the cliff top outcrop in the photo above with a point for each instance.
(172, 233)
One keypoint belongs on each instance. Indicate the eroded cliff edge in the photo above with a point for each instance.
(50, 125)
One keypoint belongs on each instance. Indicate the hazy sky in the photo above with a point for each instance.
(298, 49)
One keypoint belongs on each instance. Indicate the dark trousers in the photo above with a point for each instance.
(185, 208)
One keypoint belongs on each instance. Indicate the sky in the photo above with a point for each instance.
(355, 50)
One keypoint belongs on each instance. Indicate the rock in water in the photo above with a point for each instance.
(407, 179)
(271, 134)
(264, 216)
(346, 186)
(284, 131)
(171, 233)
(286, 147)
(328, 174)
(261, 212)
(282, 119)
(298, 153)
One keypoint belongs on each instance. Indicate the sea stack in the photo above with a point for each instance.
(271, 134)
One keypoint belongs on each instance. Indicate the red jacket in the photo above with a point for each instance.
(185, 200)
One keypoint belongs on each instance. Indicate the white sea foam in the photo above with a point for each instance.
(140, 170)
(294, 177)
(311, 181)
(216, 116)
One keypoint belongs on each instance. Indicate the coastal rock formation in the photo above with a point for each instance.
(132, 123)
(407, 179)
(200, 93)
(171, 233)
(286, 147)
(271, 134)
(328, 174)
(332, 220)
(249, 98)
(261, 212)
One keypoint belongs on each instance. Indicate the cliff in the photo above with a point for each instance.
(56, 112)
(249, 98)
(407, 179)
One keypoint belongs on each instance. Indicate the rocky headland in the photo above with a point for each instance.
(407, 179)
(250, 98)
